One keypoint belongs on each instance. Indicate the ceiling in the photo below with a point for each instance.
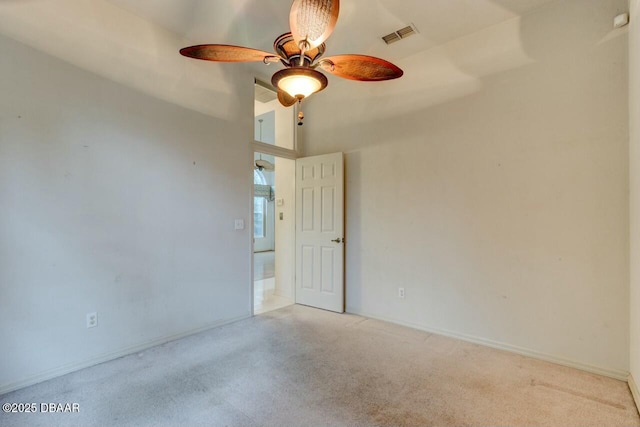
(362, 23)
(135, 43)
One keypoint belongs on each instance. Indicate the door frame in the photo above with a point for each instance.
(285, 153)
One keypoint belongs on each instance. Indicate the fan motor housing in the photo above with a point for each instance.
(287, 47)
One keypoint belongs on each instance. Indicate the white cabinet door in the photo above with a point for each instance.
(320, 232)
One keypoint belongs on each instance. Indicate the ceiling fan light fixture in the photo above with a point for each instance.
(299, 82)
(311, 23)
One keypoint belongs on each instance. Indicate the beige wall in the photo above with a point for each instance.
(493, 186)
(634, 156)
(115, 202)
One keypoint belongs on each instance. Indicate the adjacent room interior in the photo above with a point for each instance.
(273, 201)
(455, 242)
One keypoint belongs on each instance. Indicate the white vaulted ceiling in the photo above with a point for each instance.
(136, 42)
(361, 24)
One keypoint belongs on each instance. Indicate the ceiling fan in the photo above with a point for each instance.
(300, 51)
(264, 165)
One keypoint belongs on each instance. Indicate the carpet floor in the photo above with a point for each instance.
(300, 366)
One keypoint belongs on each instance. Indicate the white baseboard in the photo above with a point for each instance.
(634, 390)
(612, 373)
(76, 366)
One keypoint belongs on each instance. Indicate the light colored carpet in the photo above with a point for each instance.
(300, 366)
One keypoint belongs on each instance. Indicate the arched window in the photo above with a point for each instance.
(258, 177)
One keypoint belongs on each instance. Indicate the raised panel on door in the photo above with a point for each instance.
(327, 270)
(306, 264)
(327, 210)
(308, 212)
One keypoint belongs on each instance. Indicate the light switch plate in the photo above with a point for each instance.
(239, 224)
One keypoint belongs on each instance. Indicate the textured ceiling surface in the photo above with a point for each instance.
(361, 24)
(136, 43)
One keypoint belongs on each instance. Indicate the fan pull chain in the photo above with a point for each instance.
(300, 113)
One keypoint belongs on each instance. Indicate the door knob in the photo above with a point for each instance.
(338, 240)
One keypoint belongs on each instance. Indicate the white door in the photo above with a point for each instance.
(320, 232)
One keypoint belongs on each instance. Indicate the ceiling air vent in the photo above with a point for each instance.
(391, 38)
(400, 34)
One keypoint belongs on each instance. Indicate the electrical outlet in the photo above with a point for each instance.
(92, 320)
(400, 292)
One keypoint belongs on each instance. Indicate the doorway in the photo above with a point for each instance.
(273, 231)
(298, 215)
(273, 202)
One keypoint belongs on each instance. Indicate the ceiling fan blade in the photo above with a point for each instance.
(227, 53)
(361, 67)
(286, 99)
(313, 21)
